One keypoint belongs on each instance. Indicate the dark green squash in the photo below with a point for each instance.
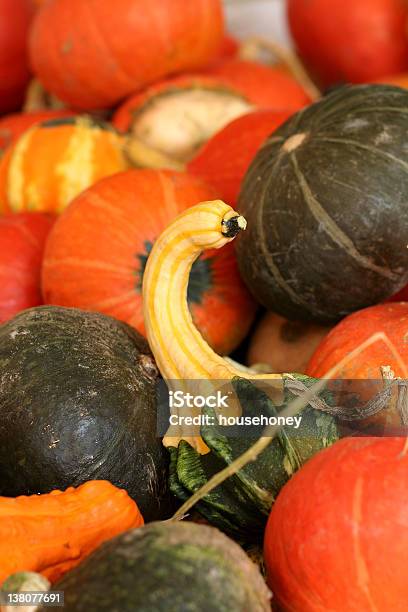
(241, 505)
(166, 567)
(78, 402)
(326, 200)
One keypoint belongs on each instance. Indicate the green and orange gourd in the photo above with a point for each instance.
(186, 362)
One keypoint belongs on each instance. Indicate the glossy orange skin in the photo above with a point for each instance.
(92, 259)
(92, 54)
(390, 318)
(54, 532)
(337, 536)
(225, 158)
(22, 240)
(13, 126)
(350, 40)
(265, 86)
(14, 69)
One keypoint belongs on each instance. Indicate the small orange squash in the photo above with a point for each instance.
(52, 533)
(54, 161)
(96, 255)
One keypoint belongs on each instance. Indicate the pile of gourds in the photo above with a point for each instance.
(174, 201)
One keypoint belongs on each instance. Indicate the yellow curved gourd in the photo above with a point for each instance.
(180, 351)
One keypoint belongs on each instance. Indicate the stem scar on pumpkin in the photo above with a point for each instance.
(293, 142)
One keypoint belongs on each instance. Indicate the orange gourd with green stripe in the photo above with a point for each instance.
(53, 162)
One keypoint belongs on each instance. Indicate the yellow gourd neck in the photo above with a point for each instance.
(180, 351)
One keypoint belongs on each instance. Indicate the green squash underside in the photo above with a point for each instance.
(241, 504)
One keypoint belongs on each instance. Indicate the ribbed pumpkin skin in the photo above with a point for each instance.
(95, 257)
(167, 568)
(391, 319)
(325, 199)
(13, 126)
(22, 240)
(337, 535)
(51, 163)
(92, 54)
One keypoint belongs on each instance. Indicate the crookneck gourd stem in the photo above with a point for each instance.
(180, 351)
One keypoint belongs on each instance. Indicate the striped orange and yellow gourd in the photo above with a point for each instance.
(53, 162)
(183, 356)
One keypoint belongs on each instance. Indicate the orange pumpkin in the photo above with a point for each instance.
(54, 161)
(96, 255)
(350, 40)
(13, 126)
(337, 536)
(92, 54)
(351, 332)
(54, 532)
(362, 373)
